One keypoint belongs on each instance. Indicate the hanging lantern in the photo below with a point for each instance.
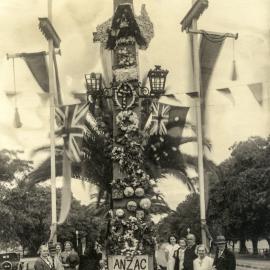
(93, 83)
(145, 203)
(139, 192)
(131, 206)
(157, 79)
(17, 120)
(129, 191)
(120, 212)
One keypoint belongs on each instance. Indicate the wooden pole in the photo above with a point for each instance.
(52, 131)
(197, 84)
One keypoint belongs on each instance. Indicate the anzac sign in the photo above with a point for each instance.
(140, 262)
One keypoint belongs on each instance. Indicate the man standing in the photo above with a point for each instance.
(190, 255)
(224, 259)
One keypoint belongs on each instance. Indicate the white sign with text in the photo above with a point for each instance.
(118, 262)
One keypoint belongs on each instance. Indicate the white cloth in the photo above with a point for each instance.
(170, 249)
(205, 264)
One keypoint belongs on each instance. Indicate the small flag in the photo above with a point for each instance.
(70, 120)
(44, 97)
(166, 119)
(257, 91)
(227, 93)
(193, 94)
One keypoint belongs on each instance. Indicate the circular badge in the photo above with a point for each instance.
(145, 203)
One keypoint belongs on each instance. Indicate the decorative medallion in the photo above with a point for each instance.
(145, 203)
(120, 212)
(139, 192)
(124, 95)
(117, 194)
(131, 206)
(139, 214)
(129, 191)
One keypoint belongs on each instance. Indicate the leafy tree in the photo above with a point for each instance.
(187, 215)
(11, 166)
(239, 203)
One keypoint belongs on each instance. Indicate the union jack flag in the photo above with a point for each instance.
(166, 119)
(70, 120)
(158, 119)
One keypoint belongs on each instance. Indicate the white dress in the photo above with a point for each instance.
(205, 264)
(170, 249)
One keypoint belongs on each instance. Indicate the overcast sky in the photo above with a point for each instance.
(75, 21)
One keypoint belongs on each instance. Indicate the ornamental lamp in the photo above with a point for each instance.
(157, 79)
(94, 83)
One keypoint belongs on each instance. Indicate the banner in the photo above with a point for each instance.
(210, 48)
(36, 62)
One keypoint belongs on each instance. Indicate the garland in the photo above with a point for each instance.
(131, 235)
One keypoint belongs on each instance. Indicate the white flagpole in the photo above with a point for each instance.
(52, 131)
(197, 84)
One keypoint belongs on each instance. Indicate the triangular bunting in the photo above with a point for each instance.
(44, 97)
(193, 94)
(38, 67)
(227, 93)
(257, 91)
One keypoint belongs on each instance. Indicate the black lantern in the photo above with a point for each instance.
(157, 79)
(94, 83)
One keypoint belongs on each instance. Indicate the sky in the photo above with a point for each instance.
(75, 21)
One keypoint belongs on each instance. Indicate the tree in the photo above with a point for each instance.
(27, 217)
(11, 166)
(186, 216)
(240, 203)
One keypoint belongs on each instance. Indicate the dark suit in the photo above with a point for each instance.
(226, 261)
(189, 257)
(40, 264)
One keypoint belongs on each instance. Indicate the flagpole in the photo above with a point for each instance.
(197, 84)
(52, 131)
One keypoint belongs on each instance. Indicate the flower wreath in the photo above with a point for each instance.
(127, 121)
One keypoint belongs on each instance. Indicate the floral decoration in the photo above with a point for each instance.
(129, 191)
(145, 203)
(139, 192)
(127, 121)
(131, 206)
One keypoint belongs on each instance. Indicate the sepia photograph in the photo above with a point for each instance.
(135, 135)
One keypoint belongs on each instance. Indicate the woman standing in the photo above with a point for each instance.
(169, 251)
(69, 257)
(179, 254)
(203, 262)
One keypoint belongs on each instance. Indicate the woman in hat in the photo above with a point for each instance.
(224, 259)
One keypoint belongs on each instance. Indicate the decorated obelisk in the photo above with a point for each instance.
(130, 242)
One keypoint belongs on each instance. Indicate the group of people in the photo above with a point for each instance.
(184, 254)
(51, 257)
